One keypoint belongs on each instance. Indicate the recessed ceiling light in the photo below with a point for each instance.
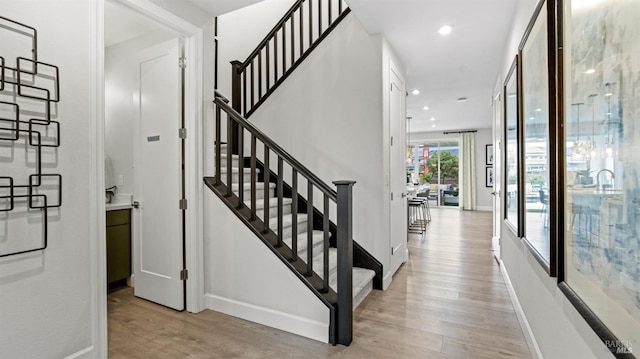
(425, 108)
(433, 125)
(462, 99)
(590, 71)
(608, 94)
(538, 109)
(433, 118)
(532, 118)
(421, 145)
(445, 30)
(415, 92)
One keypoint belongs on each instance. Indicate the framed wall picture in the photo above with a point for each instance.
(601, 269)
(537, 120)
(489, 176)
(489, 155)
(511, 139)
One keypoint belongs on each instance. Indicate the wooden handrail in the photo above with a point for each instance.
(271, 34)
(267, 63)
(302, 170)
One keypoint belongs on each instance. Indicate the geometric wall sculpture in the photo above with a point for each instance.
(29, 94)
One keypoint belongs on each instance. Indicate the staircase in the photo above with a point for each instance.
(319, 252)
(292, 225)
(283, 203)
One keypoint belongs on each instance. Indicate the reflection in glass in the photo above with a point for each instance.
(511, 140)
(602, 138)
(535, 111)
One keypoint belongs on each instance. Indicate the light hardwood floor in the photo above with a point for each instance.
(448, 301)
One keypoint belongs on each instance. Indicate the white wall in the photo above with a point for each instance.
(46, 305)
(558, 329)
(120, 85)
(245, 279)
(484, 199)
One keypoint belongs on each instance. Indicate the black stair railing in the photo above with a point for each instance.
(286, 166)
(299, 31)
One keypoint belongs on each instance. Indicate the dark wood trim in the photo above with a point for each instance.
(561, 145)
(520, 136)
(617, 347)
(538, 257)
(513, 71)
(554, 206)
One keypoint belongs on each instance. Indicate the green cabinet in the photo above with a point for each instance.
(118, 247)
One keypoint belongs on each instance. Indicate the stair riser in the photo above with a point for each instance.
(246, 178)
(273, 211)
(287, 231)
(317, 248)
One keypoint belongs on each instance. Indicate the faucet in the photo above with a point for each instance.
(598, 177)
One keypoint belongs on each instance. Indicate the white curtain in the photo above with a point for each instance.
(468, 141)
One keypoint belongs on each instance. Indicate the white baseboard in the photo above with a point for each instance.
(386, 280)
(87, 352)
(522, 318)
(484, 208)
(269, 317)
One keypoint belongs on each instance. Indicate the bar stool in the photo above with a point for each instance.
(417, 215)
(425, 195)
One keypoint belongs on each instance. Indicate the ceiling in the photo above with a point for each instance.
(464, 63)
(219, 7)
(122, 24)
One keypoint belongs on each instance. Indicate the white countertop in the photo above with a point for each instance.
(119, 201)
(117, 206)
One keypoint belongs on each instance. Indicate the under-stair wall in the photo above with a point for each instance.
(247, 281)
(329, 114)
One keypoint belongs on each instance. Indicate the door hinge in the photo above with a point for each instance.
(183, 204)
(391, 140)
(392, 196)
(182, 62)
(182, 133)
(184, 274)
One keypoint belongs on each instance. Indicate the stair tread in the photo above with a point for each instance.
(273, 202)
(361, 276)
(318, 239)
(223, 169)
(287, 220)
(247, 186)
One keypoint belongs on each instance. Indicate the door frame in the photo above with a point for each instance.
(193, 41)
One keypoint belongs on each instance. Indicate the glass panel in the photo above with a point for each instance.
(535, 102)
(511, 153)
(602, 135)
(449, 165)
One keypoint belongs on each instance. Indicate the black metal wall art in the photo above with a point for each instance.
(29, 93)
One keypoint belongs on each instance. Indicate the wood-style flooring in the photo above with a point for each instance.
(448, 301)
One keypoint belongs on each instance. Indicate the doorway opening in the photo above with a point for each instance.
(134, 133)
(433, 166)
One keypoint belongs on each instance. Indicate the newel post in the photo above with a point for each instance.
(236, 102)
(345, 261)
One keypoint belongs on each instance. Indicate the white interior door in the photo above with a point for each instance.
(158, 242)
(397, 178)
